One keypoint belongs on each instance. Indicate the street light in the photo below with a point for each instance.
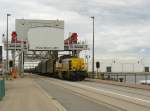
(3, 40)
(7, 67)
(92, 17)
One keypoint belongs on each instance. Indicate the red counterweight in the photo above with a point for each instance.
(72, 39)
(14, 38)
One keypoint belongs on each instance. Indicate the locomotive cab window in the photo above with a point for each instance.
(70, 65)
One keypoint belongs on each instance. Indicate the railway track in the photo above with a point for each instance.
(119, 102)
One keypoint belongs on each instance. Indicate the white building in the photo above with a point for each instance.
(121, 65)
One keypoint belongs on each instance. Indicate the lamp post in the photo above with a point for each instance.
(92, 17)
(7, 59)
(3, 69)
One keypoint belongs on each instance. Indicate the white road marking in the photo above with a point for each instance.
(108, 92)
(55, 102)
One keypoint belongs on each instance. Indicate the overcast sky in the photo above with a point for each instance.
(122, 27)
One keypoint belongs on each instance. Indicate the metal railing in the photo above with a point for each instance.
(2, 88)
(126, 77)
(137, 77)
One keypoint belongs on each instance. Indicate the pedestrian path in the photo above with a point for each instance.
(23, 94)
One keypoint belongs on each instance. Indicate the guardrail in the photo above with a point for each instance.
(2, 88)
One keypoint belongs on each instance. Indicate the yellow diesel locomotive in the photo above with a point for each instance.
(66, 67)
(73, 68)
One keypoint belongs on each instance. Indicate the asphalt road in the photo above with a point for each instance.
(70, 100)
(92, 96)
(140, 93)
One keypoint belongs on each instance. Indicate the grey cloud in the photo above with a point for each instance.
(121, 27)
(109, 14)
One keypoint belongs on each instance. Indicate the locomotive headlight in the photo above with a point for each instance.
(83, 67)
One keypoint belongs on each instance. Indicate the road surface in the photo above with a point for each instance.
(92, 96)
